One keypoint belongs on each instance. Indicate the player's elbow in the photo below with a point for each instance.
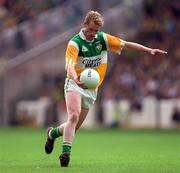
(127, 45)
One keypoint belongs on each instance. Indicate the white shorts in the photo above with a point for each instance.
(88, 96)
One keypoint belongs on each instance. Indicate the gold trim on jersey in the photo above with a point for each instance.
(99, 62)
(113, 43)
(71, 55)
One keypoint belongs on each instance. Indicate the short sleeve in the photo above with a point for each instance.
(114, 44)
(71, 54)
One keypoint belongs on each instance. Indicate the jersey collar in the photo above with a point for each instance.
(81, 34)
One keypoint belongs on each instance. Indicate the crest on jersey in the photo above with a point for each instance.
(84, 49)
(99, 47)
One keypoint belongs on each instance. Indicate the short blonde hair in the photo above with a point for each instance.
(95, 17)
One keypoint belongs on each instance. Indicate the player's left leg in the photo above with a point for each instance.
(52, 134)
(82, 117)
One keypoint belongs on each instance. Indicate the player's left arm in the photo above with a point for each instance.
(139, 47)
(113, 43)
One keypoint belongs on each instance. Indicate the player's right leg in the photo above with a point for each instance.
(82, 117)
(53, 133)
(73, 104)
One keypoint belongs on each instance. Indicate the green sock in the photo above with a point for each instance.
(54, 133)
(66, 147)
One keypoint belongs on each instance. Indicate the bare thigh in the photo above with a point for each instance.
(73, 104)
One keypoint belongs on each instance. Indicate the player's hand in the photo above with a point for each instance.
(79, 83)
(156, 51)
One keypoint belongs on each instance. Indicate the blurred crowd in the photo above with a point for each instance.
(13, 12)
(26, 24)
(135, 75)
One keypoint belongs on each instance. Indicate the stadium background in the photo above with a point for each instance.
(134, 125)
(140, 90)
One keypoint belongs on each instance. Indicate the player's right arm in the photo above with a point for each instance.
(72, 52)
(71, 60)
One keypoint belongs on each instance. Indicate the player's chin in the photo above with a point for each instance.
(91, 38)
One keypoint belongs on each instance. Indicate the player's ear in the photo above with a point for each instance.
(85, 23)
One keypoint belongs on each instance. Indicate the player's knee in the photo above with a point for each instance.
(74, 118)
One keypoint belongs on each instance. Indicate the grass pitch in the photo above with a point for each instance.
(94, 151)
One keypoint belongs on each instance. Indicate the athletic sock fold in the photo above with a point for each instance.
(54, 133)
(66, 147)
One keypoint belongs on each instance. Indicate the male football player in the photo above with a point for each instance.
(87, 49)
